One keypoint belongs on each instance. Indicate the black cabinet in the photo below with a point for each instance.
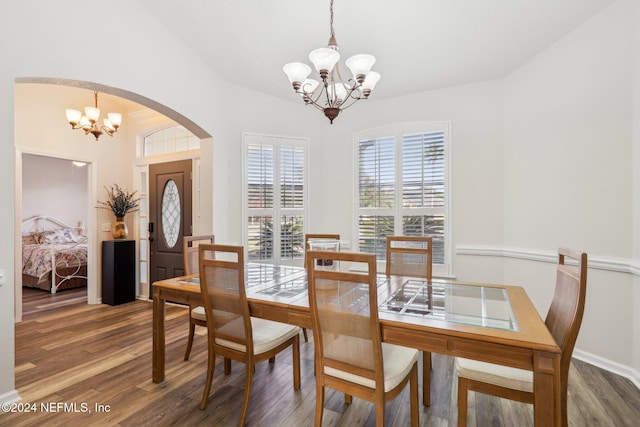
(118, 271)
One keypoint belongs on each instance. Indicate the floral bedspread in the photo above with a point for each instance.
(36, 258)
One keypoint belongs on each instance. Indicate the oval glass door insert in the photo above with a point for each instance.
(170, 213)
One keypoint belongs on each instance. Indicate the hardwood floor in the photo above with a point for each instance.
(36, 302)
(96, 360)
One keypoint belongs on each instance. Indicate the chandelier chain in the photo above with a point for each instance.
(333, 34)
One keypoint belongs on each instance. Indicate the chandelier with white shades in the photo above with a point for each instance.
(332, 94)
(89, 121)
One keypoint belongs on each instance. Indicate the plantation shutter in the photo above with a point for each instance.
(423, 188)
(292, 202)
(275, 197)
(376, 195)
(260, 199)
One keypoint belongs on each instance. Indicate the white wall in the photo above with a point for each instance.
(636, 182)
(7, 228)
(567, 137)
(54, 187)
(568, 173)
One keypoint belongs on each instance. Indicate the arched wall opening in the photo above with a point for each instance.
(93, 181)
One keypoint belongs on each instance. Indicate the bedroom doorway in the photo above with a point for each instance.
(55, 209)
(170, 217)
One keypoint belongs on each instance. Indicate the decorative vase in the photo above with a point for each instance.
(119, 229)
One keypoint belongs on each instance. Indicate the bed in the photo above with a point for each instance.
(54, 254)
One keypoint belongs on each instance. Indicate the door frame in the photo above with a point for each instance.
(92, 258)
(141, 181)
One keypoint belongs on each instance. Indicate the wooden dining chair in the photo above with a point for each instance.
(413, 256)
(310, 237)
(190, 257)
(350, 356)
(315, 236)
(563, 321)
(231, 332)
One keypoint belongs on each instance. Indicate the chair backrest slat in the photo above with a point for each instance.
(567, 307)
(410, 256)
(190, 251)
(344, 312)
(223, 292)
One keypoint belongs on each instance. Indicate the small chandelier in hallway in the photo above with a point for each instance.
(89, 121)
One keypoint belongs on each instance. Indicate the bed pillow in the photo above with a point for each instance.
(62, 235)
(40, 238)
(29, 239)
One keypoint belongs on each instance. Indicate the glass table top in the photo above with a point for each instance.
(287, 289)
(296, 286)
(453, 302)
(259, 274)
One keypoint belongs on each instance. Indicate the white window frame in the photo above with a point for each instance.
(397, 131)
(277, 211)
(192, 142)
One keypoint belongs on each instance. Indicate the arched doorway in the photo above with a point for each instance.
(94, 182)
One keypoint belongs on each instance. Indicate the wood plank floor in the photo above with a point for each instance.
(98, 358)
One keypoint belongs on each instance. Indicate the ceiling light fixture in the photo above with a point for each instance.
(332, 95)
(89, 122)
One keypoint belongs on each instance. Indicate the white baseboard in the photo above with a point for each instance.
(10, 397)
(608, 365)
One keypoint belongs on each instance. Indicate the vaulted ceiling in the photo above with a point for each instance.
(419, 44)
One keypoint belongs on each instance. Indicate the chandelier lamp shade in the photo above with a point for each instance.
(89, 122)
(331, 93)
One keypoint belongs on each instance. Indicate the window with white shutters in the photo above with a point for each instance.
(275, 197)
(403, 187)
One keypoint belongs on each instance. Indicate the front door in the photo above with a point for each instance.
(170, 192)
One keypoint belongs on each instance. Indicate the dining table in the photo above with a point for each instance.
(487, 322)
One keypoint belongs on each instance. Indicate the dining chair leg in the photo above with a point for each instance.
(211, 364)
(272, 360)
(563, 402)
(227, 366)
(192, 331)
(247, 391)
(319, 404)
(304, 332)
(413, 388)
(463, 388)
(426, 378)
(296, 363)
(348, 399)
(379, 414)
